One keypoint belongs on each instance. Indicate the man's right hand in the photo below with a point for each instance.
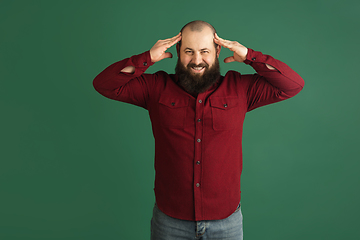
(157, 52)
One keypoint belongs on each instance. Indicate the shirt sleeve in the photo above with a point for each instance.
(133, 88)
(270, 86)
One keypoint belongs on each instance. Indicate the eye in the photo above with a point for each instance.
(205, 51)
(188, 51)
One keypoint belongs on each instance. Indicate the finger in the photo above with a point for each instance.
(228, 44)
(175, 37)
(166, 41)
(217, 41)
(172, 40)
(216, 36)
(168, 55)
(220, 39)
(223, 42)
(164, 55)
(229, 59)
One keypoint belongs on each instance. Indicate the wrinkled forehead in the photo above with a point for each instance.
(197, 40)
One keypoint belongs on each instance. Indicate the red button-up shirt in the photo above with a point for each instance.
(198, 154)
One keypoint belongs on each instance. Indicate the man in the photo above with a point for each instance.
(197, 118)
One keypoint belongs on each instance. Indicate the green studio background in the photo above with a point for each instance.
(75, 165)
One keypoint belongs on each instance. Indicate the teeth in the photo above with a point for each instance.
(198, 68)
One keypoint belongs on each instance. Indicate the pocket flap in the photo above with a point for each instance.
(173, 102)
(224, 102)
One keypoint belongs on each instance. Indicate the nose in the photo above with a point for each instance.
(197, 59)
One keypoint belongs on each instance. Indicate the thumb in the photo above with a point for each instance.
(167, 55)
(229, 59)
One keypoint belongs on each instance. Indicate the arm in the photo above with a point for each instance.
(275, 80)
(132, 87)
(125, 80)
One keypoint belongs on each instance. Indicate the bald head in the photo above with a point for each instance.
(197, 26)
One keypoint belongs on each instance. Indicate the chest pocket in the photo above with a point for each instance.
(172, 111)
(225, 112)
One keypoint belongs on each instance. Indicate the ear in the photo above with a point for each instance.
(178, 49)
(218, 49)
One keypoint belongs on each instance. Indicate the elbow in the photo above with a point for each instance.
(291, 93)
(299, 89)
(301, 83)
(97, 84)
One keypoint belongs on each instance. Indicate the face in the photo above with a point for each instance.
(198, 66)
(197, 52)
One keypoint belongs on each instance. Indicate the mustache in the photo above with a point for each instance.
(191, 65)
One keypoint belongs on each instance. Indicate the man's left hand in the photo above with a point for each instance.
(239, 50)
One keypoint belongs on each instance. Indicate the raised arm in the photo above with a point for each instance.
(125, 80)
(274, 81)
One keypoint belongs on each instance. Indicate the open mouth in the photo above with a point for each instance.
(197, 69)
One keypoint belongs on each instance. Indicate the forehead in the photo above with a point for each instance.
(197, 40)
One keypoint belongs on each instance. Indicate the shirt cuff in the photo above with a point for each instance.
(141, 62)
(258, 60)
(252, 56)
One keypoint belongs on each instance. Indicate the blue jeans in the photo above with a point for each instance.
(164, 227)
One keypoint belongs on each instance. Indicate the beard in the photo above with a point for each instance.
(195, 83)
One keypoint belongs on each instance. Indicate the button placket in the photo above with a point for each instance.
(198, 138)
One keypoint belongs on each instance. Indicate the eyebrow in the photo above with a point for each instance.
(193, 49)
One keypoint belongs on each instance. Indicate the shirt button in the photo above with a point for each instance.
(254, 58)
(225, 105)
(145, 63)
(199, 140)
(198, 162)
(172, 104)
(200, 101)
(198, 185)
(199, 120)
